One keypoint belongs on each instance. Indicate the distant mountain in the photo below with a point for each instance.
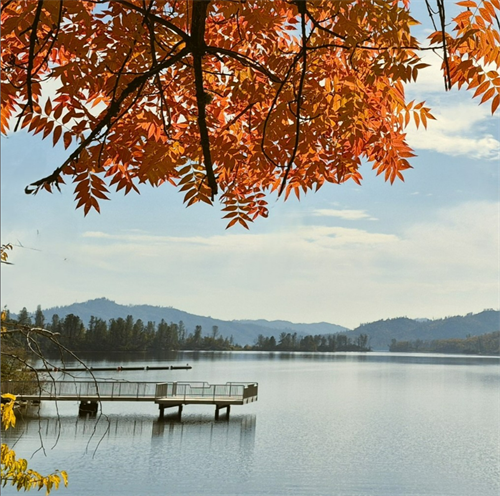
(305, 329)
(243, 331)
(402, 329)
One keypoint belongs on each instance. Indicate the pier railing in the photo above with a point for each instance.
(59, 390)
(192, 390)
(124, 390)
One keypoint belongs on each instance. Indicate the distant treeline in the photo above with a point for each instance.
(485, 344)
(331, 342)
(124, 334)
(128, 334)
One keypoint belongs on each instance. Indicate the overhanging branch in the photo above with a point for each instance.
(198, 49)
(113, 110)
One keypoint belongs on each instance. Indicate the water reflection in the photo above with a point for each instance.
(193, 357)
(239, 431)
(373, 424)
(242, 426)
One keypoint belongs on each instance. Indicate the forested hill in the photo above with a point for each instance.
(485, 344)
(243, 331)
(305, 329)
(382, 332)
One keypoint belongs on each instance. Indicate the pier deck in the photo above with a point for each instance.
(165, 395)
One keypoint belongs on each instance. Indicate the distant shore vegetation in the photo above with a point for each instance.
(485, 344)
(131, 335)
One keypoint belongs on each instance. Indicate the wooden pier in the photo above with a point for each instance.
(166, 395)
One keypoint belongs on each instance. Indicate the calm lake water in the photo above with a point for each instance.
(375, 424)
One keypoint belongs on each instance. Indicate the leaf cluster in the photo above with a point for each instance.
(239, 98)
(15, 471)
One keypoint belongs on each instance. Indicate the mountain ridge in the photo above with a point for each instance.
(243, 331)
(246, 331)
(382, 332)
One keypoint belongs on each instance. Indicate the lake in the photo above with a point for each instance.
(344, 424)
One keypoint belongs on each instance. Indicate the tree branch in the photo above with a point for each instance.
(198, 49)
(113, 110)
(442, 19)
(160, 20)
(302, 10)
(246, 61)
(33, 39)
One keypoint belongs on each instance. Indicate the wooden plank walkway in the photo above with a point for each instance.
(165, 395)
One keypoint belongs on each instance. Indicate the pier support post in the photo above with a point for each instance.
(219, 407)
(88, 408)
(162, 410)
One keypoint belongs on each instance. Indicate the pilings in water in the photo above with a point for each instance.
(218, 408)
(162, 410)
(88, 408)
(90, 393)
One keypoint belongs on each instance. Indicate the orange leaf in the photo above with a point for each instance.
(495, 103)
(416, 119)
(482, 88)
(488, 95)
(56, 135)
(67, 139)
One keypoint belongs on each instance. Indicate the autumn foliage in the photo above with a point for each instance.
(13, 470)
(236, 98)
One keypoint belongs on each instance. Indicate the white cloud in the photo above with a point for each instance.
(430, 79)
(460, 130)
(302, 239)
(462, 126)
(343, 214)
(436, 267)
(461, 242)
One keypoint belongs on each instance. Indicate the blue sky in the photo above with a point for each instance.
(428, 247)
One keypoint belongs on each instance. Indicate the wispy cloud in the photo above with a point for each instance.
(343, 214)
(298, 238)
(442, 266)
